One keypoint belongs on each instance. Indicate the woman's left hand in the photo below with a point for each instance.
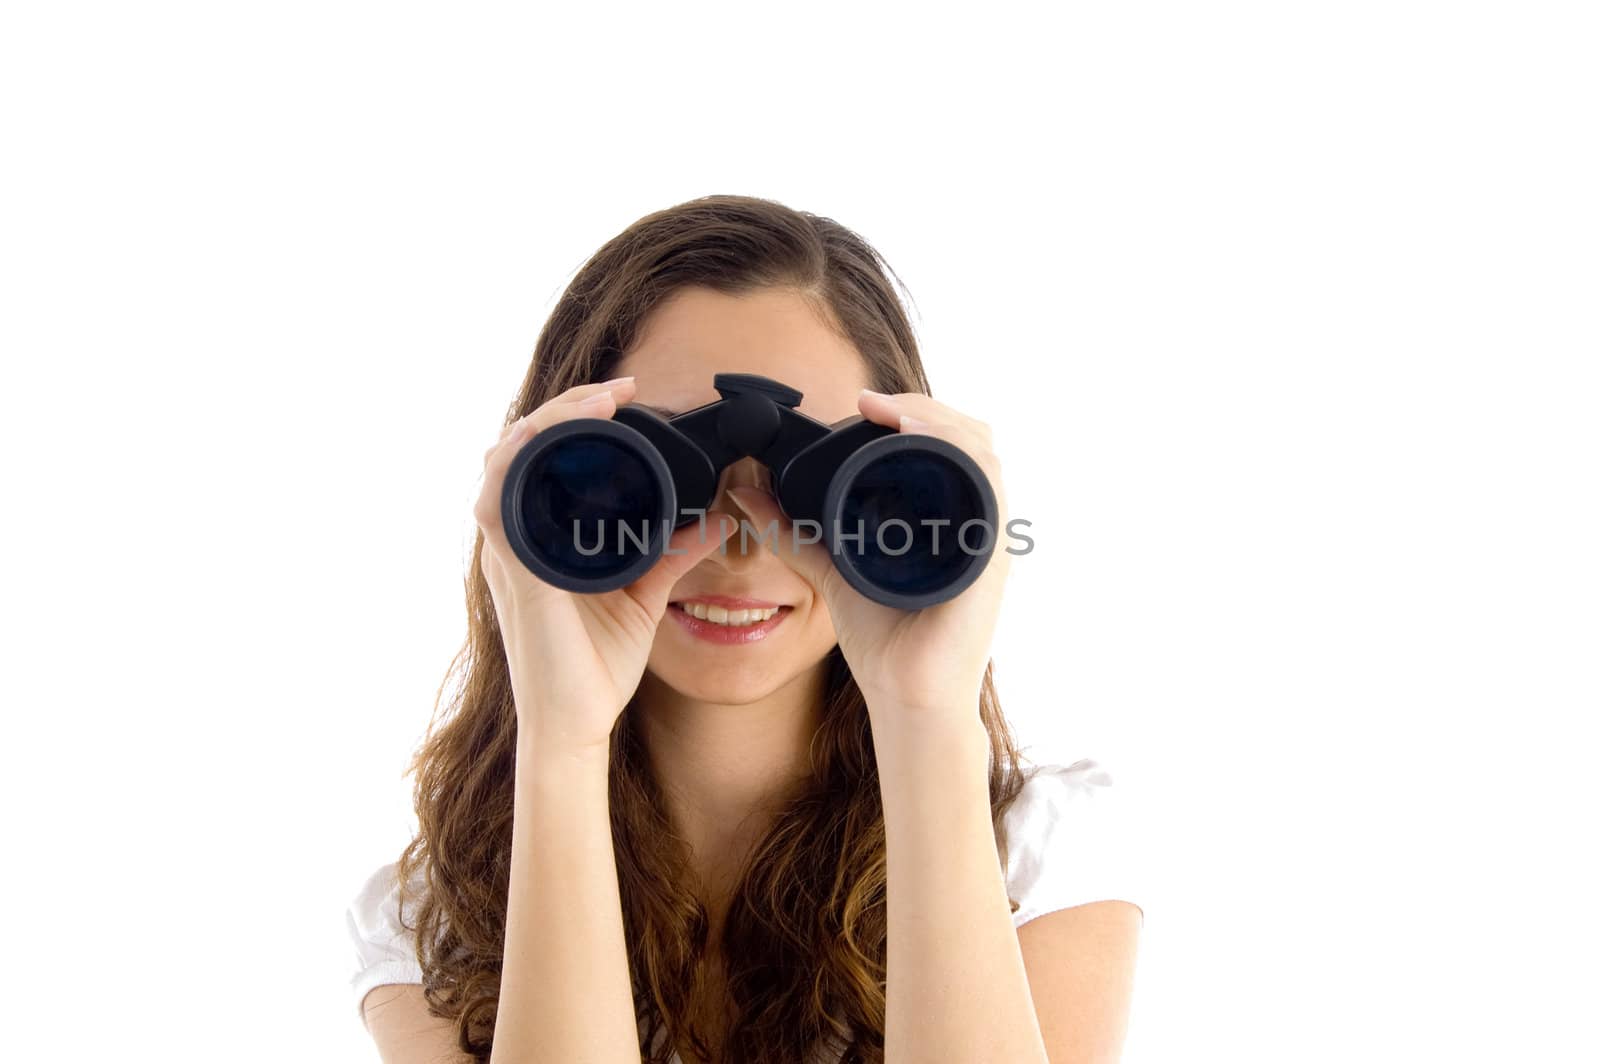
(928, 662)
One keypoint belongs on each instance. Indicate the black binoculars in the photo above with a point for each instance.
(589, 503)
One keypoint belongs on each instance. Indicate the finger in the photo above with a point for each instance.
(599, 404)
(765, 521)
(568, 404)
(686, 547)
(973, 447)
(888, 409)
(622, 387)
(964, 439)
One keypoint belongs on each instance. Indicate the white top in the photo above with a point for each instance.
(1064, 850)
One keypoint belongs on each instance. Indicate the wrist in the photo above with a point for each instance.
(549, 751)
(897, 709)
(947, 734)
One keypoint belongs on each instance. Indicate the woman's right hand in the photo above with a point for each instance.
(576, 659)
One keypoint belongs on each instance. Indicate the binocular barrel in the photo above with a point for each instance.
(908, 519)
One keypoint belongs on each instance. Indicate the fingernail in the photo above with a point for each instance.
(880, 395)
(595, 401)
(911, 424)
(617, 380)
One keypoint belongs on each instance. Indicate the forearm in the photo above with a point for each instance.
(564, 987)
(957, 990)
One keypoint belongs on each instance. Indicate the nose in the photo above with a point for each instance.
(746, 472)
(739, 553)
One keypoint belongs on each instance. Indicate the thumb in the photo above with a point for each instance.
(685, 548)
(767, 524)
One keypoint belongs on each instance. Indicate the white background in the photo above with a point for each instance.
(1285, 315)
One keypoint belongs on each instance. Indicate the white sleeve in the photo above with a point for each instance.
(1068, 842)
(385, 951)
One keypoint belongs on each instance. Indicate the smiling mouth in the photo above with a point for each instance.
(729, 617)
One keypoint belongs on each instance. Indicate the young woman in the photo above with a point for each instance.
(668, 823)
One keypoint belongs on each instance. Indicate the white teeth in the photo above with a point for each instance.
(723, 615)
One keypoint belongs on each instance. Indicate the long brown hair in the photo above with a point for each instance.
(805, 931)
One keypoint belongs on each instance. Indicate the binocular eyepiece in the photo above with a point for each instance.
(588, 503)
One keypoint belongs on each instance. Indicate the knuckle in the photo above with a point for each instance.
(572, 397)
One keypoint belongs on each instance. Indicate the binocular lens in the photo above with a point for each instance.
(591, 507)
(909, 508)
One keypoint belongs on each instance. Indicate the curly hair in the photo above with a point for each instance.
(805, 931)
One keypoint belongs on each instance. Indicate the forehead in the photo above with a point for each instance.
(698, 332)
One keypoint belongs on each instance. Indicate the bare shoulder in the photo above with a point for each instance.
(397, 1015)
(1080, 963)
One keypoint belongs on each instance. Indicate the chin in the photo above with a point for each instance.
(725, 686)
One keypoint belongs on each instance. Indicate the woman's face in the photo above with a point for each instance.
(695, 334)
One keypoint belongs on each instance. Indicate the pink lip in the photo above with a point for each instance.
(722, 634)
(732, 602)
